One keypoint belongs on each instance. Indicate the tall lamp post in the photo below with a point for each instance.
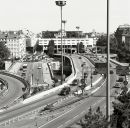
(61, 4)
(64, 22)
(77, 27)
(108, 70)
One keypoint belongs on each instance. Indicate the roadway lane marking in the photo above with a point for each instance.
(69, 111)
(99, 101)
(73, 118)
(56, 118)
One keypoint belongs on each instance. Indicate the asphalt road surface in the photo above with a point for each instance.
(97, 99)
(14, 90)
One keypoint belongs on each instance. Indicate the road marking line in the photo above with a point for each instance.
(56, 118)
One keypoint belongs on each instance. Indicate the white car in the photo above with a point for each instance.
(39, 67)
(78, 92)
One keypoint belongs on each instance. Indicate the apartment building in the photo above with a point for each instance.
(15, 42)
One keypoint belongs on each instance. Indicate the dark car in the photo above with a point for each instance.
(65, 91)
(48, 107)
(75, 82)
(80, 57)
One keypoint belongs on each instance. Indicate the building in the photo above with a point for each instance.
(15, 42)
(69, 42)
(122, 35)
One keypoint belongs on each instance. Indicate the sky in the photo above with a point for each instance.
(42, 15)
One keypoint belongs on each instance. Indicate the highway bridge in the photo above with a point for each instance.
(33, 106)
(97, 99)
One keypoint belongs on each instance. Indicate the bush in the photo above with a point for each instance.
(93, 120)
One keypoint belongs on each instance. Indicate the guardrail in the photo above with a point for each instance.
(89, 59)
(50, 70)
(11, 66)
(73, 70)
(118, 63)
(26, 84)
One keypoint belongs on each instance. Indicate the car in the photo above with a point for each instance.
(65, 91)
(48, 107)
(80, 57)
(75, 82)
(39, 67)
(23, 74)
(78, 92)
(117, 85)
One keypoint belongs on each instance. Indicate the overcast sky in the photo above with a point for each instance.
(38, 15)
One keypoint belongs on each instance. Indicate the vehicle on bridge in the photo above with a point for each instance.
(118, 85)
(48, 107)
(75, 82)
(65, 91)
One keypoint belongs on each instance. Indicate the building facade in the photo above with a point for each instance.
(122, 35)
(16, 43)
(69, 41)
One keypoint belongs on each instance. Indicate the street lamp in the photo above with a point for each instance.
(64, 22)
(77, 27)
(61, 4)
(108, 70)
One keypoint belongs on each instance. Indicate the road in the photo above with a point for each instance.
(78, 62)
(97, 99)
(37, 73)
(41, 74)
(39, 103)
(14, 90)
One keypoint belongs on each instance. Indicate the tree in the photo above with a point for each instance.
(81, 47)
(77, 47)
(51, 47)
(102, 42)
(120, 116)
(37, 47)
(93, 120)
(4, 52)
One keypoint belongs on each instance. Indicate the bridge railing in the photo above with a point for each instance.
(26, 84)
